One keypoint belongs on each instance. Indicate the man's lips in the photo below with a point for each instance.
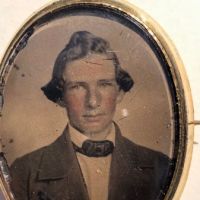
(93, 118)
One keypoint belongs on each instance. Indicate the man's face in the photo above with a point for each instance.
(91, 93)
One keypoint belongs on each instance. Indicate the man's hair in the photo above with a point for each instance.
(82, 44)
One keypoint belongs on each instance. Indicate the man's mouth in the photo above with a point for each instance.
(93, 117)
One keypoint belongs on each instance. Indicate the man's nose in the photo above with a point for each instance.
(93, 98)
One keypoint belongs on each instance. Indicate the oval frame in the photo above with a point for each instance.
(185, 106)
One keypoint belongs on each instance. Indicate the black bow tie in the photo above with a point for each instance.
(95, 148)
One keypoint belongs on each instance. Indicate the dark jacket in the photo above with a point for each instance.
(53, 173)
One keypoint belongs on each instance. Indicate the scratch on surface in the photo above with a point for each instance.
(93, 63)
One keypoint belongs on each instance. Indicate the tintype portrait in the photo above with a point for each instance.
(93, 115)
(91, 159)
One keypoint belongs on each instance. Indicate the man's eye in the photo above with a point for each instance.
(105, 84)
(74, 87)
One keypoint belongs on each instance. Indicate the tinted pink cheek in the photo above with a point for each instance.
(110, 102)
(75, 104)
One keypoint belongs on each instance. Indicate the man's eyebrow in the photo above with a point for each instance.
(106, 80)
(75, 82)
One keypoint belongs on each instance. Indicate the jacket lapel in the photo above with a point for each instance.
(126, 176)
(60, 169)
(60, 177)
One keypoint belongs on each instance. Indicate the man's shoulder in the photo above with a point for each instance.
(29, 160)
(33, 158)
(139, 153)
(144, 154)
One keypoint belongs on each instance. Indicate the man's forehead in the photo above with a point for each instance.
(93, 67)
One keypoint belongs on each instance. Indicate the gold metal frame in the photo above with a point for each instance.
(176, 67)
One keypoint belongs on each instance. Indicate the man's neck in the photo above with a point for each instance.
(78, 138)
(99, 135)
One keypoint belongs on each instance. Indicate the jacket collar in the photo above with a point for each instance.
(58, 159)
(59, 162)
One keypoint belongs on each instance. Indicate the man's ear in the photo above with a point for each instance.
(120, 96)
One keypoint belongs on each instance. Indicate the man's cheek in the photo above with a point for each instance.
(74, 100)
(74, 105)
(77, 109)
(110, 103)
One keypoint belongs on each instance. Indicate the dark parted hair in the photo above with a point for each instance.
(82, 44)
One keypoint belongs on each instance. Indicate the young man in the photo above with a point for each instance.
(91, 159)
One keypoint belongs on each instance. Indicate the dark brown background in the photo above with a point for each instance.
(30, 120)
